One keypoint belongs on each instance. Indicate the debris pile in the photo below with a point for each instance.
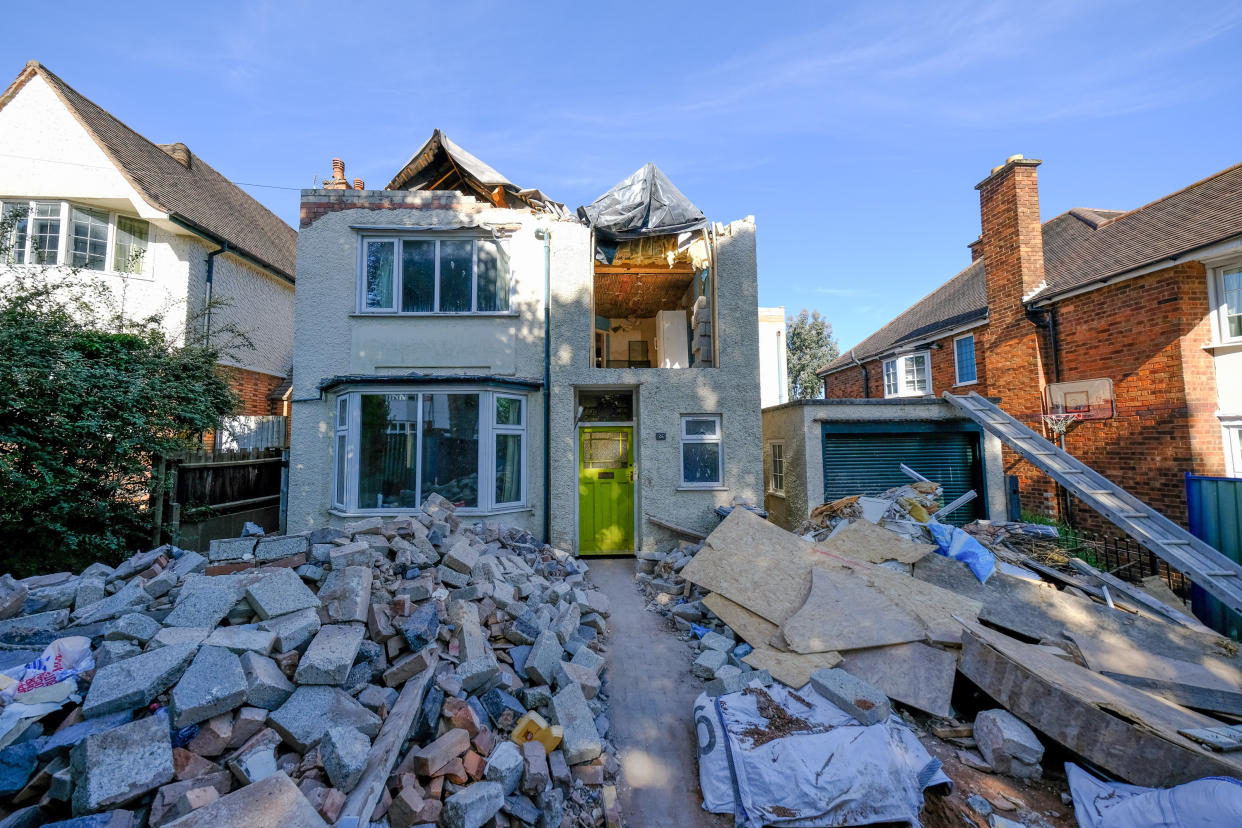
(400, 671)
(1038, 654)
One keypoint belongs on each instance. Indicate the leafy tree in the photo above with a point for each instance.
(87, 399)
(808, 337)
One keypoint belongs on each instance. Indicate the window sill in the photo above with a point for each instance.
(702, 488)
(1223, 346)
(395, 512)
(466, 314)
(909, 396)
(963, 384)
(68, 270)
(774, 493)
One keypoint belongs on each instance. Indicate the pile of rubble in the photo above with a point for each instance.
(991, 656)
(394, 672)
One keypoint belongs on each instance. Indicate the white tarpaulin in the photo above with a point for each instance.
(824, 770)
(1212, 802)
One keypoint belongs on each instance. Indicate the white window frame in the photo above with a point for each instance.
(773, 486)
(1231, 439)
(341, 464)
(396, 239)
(488, 429)
(63, 255)
(900, 367)
(1220, 305)
(717, 438)
(957, 368)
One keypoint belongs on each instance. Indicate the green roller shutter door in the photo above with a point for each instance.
(870, 463)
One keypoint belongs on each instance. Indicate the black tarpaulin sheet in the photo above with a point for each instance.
(645, 204)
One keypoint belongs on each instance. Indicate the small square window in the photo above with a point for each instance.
(701, 461)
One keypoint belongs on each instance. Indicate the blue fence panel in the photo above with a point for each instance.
(1214, 510)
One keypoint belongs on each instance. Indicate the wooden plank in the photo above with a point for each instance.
(1142, 598)
(1125, 731)
(361, 802)
(1204, 699)
(913, 674)
(1125, 659)
(673, 527)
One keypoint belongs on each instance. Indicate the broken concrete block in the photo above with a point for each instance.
(278, 593)
(12, 596)
(213, 684)
(708, 662)
(373, 697)
(409, 665)
(569, 673)
(121, 764)
(192, 800)
(505, 765)
(344, 753)
(461, 556)
(473, 805)
(274, 802)
(1003, 738)
(249, 721)
(73, 734)
(312, 709)
(89, 591)
(266, 685)
(580, 739)
(566, 623)
(346, 594)
(273, 549)
(178, 635)
(123, 600)
(351, 554)
(330, 655)
(238, 640)
(17, 764)
(293, 630)
(229, 550)
(135, 681)
(852, 695)
(200, 608)
(544, 657)
(421, 627)
(110, 652)
(559, 768)
(736, 683)
(431, 758)
(586, 657)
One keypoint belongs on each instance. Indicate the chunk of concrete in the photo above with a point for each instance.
(178, 635)
(461, 556)
(312, 709)
(344, 753)
(213, 684)
(266, 685)
(231, 550)
(1003, 738)
(121, 764)
(273, 549)
(351, 554)
(68, 737)
(421, 627)
(201, 607)
(293, 630)
(586, 657)
(473, 805)
(708, 662)
(12, 596)
(123, 600)
(240, 640)
(504, 765)
(853, 695)
(330, 655)
(274, 802)
(580, 742)
(535, 773)
(135, 681)
(17, 763)
(545, 655)
(346, 594)
(133, 626)
(280, 592)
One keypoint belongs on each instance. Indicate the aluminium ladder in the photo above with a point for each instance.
(1207, 567)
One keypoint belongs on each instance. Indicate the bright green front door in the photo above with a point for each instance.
(605, 489)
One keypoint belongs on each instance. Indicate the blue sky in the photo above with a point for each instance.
(853, 132)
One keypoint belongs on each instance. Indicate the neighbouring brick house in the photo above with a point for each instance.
(154, 221)
(1047, 316)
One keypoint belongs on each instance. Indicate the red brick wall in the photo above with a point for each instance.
(253, 388)
(847, 384)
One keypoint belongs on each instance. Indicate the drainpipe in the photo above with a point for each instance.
(547, 383)
(866, 379)
(211, 270)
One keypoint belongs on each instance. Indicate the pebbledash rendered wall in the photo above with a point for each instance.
(662, 396)
(332, 339)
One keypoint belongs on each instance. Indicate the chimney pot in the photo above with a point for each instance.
(359, 184)
(338, 169)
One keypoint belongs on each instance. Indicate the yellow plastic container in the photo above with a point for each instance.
(532, 727)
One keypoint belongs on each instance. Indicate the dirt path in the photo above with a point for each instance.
(652, 693)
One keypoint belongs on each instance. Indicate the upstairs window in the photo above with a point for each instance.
(964, 359)
(422, 275)
(1231, 303)
(907, 375)
(73, 235)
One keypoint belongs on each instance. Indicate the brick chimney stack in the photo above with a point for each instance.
(359, 184)
(337, 182)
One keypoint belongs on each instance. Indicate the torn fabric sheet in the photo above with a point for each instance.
(1212, 802)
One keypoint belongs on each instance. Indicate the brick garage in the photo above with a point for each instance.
(1095, 279)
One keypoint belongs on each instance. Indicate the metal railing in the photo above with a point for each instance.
(1121, 557)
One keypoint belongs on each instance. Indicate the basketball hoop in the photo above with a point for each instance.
(1058, 424)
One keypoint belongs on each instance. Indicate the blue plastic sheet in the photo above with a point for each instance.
(957, 544)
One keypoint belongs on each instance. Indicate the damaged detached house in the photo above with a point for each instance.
(581, 375)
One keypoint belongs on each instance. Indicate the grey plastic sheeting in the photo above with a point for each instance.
(645, 204)
(1212, 802)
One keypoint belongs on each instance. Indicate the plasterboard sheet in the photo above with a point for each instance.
(864, 541)
(844, 611)
(792, 669)
(913, 674)
(1107, 657)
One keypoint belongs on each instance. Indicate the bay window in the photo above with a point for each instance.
(434, 275)
(393, 450)
(73, 235)
(908, 375)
